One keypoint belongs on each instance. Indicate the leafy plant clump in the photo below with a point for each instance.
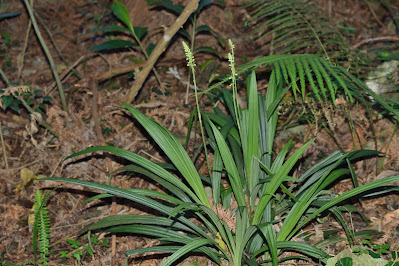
(256, 208)
(80, 250)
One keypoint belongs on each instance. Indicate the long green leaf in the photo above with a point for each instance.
(230, 166)
(116, 220)
(187, 248)
(347, 195)
(175, 152)
(276, 181)
(143, 162)
(171, 249)
(153, 204)
(122, 13)
(252, 149)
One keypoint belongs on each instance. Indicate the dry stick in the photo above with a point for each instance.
(377, 39)
(97, 128)
(48, 54)
(51, 37)
(160, 48)
(4, 77)
(375, 15)
(119, 71)
(70, 68)
(21, 56)
(3, 147)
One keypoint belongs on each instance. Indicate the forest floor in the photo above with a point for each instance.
(32, 151)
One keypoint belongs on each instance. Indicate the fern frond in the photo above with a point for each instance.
(321, 76)
(294, 26)
(41, 227)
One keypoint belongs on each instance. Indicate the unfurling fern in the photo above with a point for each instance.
(302, 27)
(41, 227)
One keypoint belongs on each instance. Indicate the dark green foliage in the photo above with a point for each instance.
(293, 26)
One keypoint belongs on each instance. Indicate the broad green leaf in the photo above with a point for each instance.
(111, 28)
(167, 4)
(9, 15)
(140, 32)
(203, 28)
(7, 100)
(122, 13)
(113, 44)
(150, 48)
(185, 33)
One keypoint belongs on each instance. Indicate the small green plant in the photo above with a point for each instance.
(136, 33)
(14, 97)
(250, 207)
(35, 99)
(195, 28)
(80, 250)
(377, 250)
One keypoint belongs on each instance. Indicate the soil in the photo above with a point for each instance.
(93, 118)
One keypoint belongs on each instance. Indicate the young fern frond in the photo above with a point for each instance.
(301, 27)
(41, 227)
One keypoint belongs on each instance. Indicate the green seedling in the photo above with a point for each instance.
(80, 250)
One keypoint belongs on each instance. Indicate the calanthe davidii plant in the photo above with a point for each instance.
(255, 209)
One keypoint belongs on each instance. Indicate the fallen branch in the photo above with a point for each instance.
(159, 49)
(377, 39)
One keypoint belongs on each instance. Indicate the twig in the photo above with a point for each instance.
(374, 15)
(3, 147)
(48, 54)
(4, 77)
(377, 39)
(160, 48)
(119, 71)
(21, 56)
(51, 37)
(94, 111)
(71, 67)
